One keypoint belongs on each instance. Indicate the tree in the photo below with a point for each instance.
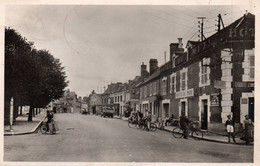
(33, 77)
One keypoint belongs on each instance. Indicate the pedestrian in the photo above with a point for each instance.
(184, 123)
(248, 126)
(229, 127)
(50, 121)
(149, 119)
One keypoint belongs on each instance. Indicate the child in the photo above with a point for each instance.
(229, 126)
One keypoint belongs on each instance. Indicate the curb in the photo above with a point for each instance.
(26, 132)
(206, 139)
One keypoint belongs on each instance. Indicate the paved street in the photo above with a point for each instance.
(94, 139)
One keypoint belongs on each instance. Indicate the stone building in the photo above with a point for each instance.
(210, 80)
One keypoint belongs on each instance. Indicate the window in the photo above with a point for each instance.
(183, 81)
(145, 91)
(252, 66)
(164, 85)
(172, 83)
(121, 98)
(154, 88)
(249, 65)
(204, 73)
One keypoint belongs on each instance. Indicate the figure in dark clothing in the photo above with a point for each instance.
(50, 122)
(249, 128)
(230, 127)
(184, 123)
(169, 120)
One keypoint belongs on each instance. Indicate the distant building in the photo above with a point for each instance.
(95, 103)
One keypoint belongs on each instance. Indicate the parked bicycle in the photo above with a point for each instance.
(195, 133)
(143, 125)
(240, 138)
(132, 122)
(44, 128)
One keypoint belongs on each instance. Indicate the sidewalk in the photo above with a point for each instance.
(207, 136)
(22, 126)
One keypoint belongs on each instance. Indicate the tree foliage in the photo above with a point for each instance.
(33, 77)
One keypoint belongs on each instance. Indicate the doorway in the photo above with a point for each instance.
(183, 108)
(166, 110)
(251, 108)
(204, 115)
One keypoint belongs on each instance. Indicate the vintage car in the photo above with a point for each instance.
(107, 112)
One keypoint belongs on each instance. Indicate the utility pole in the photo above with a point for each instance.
(220, 21)
(201, 26)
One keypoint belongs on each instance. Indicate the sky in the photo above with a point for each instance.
(103, 44)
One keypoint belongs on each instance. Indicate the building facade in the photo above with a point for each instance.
(212, 79)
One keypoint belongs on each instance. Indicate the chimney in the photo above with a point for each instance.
(180, 43)
(153, 65)
(176, 48)
(173, 48)
(143, 69)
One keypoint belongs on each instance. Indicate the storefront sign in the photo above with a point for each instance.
(214, 99)
(185, 93)
(244, 84)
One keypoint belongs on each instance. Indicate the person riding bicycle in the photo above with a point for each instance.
(184, 123)
(248, 126)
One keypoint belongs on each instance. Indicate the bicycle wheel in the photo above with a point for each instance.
(239, 138)
(197, 134)
(131, 124)
(153, 127)
(177, 132)
(43, 128)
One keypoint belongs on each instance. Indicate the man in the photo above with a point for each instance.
(184, 123)
(248, 126)
(50, 121)
(149, 119)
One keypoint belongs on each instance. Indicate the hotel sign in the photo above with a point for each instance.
(185, 93)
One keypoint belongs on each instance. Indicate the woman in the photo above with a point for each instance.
(248, 126)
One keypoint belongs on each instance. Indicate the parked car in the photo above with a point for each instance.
(107, 112)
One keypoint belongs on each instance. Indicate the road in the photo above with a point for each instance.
(90, 138)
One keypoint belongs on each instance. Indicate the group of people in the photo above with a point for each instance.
(141, 118)
(247, 126)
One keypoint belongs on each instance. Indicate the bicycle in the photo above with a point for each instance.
(132, 122)
(240, 138)
(178, 132)
(44, 128)
(142, 124)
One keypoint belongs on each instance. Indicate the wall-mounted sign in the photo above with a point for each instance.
(244, 84)
(219, 84)
(214, 98)
(185, 93)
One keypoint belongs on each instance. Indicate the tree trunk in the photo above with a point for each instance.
(30, 117)
(33, 112)
(21, 110)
